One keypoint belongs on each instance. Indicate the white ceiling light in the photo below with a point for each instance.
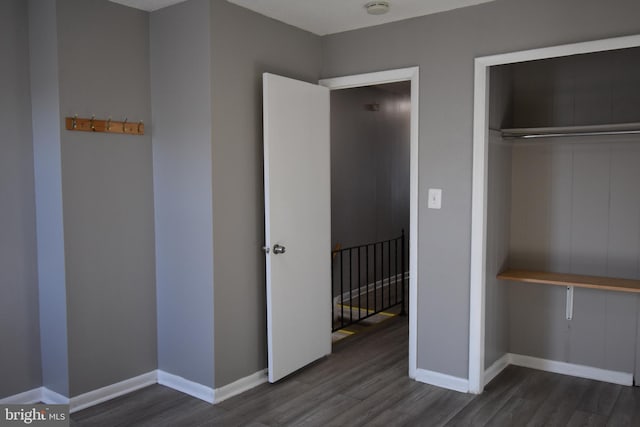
(379, 7)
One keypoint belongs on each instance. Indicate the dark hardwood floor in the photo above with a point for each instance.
(364, 382)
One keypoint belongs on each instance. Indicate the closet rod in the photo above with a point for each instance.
(554, 135)
(562, 131)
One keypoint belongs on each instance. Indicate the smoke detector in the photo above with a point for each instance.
(379, 7)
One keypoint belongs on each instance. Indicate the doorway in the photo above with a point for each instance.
(409, 75)
(370, 129)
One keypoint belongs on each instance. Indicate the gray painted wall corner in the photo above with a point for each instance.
(20, 360)
(181, 101)
(45, 110)
(107, 194)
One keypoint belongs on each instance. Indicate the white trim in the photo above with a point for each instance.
(112, 391)
(186, 386)
(413, 224)
(561, 50)
(442, 380)
(479, 185)
(369, 79)
(241, 385)
(615, 377)
(24, 398)
(411, 74)
(478, 232)
(498, 366)
(95, 397)
(40, 394)
(556, 367)
(51, 397)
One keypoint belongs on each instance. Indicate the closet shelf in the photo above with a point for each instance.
(560, 131)
(561, 279)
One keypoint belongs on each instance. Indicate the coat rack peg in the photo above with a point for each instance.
(109, 126)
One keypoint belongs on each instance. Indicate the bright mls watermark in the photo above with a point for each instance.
(34, 415)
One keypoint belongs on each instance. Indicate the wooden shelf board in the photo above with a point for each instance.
(562, 279)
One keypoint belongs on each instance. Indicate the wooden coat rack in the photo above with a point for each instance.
(109, 126)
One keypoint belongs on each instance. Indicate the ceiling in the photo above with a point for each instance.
(148, 5)
(327, 16)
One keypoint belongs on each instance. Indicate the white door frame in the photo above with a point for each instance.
(479, 189)
(369, 79)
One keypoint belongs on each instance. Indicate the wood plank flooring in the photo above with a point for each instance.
(364, 382)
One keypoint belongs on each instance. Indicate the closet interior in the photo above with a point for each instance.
(563, 215)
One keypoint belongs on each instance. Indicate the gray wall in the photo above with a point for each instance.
(444, 45)
(498, 215)
(501, 87)
(576, 208)
(592, 89)
(181, 100)
(244, 45)
(498, 235)
(20, 333)
(369, 165)
(100, 260)
(45, 103)
(103, 51)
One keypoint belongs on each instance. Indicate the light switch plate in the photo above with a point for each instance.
(435, 198)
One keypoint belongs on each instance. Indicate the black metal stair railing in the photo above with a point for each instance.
(367, 280)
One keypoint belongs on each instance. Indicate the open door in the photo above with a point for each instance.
(297, 223)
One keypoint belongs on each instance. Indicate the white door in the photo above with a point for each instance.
(297, 223)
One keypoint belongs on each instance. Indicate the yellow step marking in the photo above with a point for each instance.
(353, 307)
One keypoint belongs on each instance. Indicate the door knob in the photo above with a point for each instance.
(278, 249)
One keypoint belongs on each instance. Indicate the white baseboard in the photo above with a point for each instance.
(615, 377)
(51, 397)
(186, 386)
(442, 380)
(94, 397)
(24, 398)
(378, 284)
(40, 394)
(241, 385)
(103, 394)
(498, 366)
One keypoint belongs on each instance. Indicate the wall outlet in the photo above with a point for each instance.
(435, 198)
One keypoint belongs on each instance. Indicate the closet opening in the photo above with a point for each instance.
(370, 161)
(378, 97)
(555, 274)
